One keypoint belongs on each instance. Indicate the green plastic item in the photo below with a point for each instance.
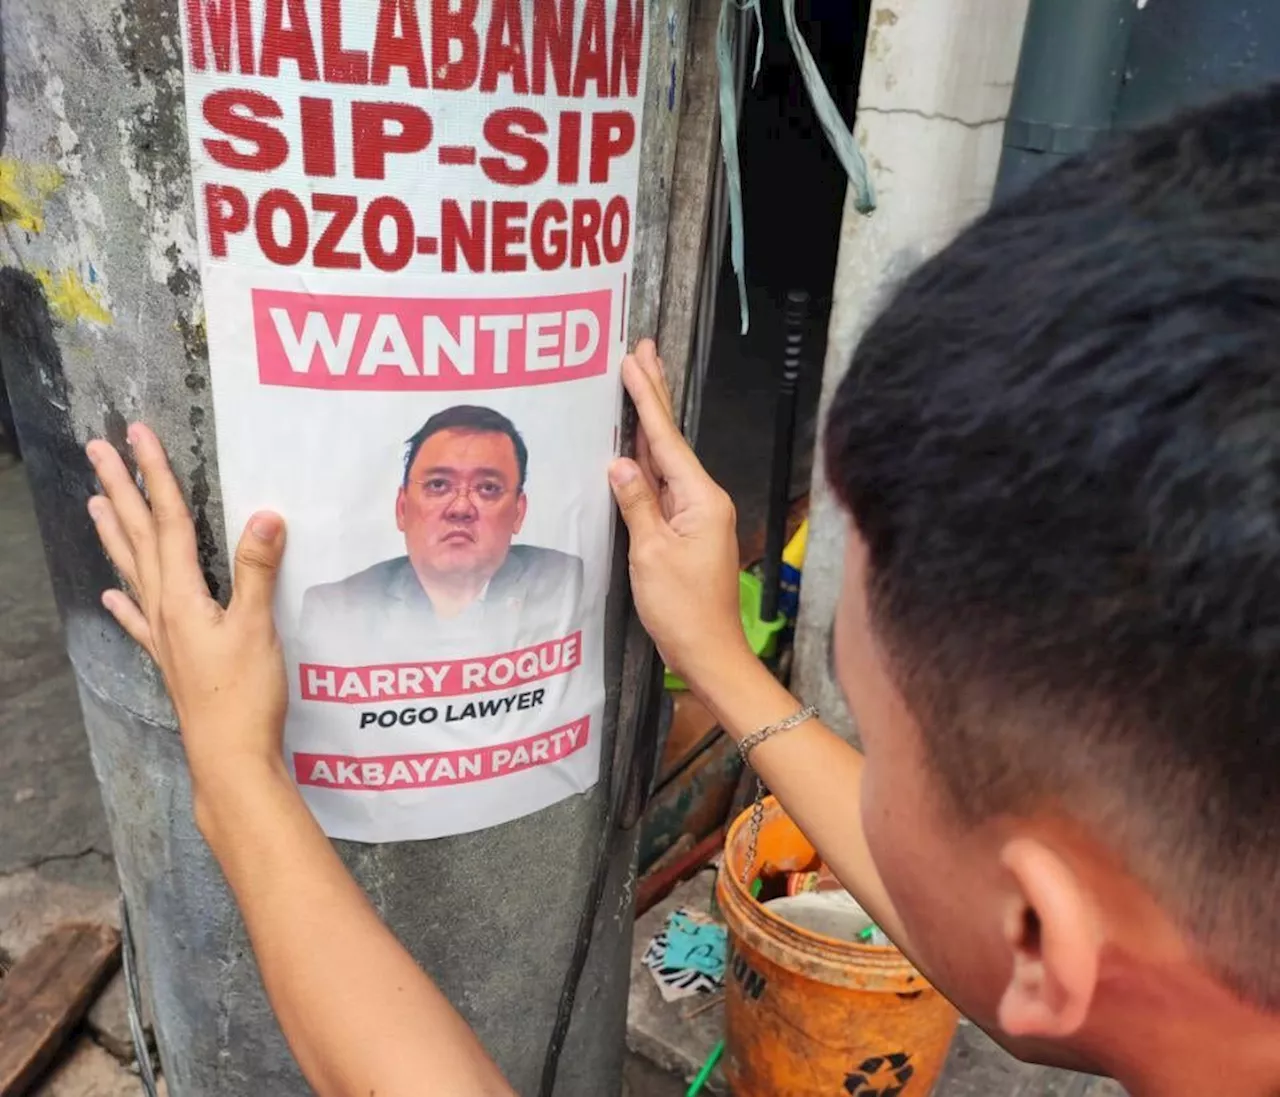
(701, 1080)
(761, 635)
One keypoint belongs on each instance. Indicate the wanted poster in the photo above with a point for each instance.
(416, 222)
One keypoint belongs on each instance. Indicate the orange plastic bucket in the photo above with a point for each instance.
(809, 1014)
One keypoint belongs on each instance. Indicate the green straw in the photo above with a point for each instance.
(701, 1080)
(869, 934)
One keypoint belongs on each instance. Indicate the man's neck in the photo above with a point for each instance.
(450, 596)
(1193, 1038)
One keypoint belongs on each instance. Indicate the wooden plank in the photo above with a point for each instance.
(695, 801)
(691, 722)
(631, 691)
(681, 846)
(696, 161)
(658, 885)
(46, 993)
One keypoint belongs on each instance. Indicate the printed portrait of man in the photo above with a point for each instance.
(460, 503)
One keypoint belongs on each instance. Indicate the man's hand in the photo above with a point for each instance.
(224, 669)
(684, 549)
(375, 1024)
(684, 575)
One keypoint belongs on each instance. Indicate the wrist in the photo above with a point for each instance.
(739, 690)
(712, 663)
(221, 795)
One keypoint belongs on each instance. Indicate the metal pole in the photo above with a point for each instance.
(1069, 75)
(101, 323)
(784, 436)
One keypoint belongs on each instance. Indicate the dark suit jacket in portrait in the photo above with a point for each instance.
(382, 614)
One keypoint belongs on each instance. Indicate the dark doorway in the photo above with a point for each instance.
(793, 190)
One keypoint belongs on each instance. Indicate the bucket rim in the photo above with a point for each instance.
(843, 963)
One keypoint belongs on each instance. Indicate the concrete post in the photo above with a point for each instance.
(935, 90)
(100, 324)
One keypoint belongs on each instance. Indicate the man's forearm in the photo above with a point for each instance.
(815, 774)
(373, 1023)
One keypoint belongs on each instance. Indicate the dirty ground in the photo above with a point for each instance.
(55, 855)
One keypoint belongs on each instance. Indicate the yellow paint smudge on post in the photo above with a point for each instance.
(70, 299)
(24, 189)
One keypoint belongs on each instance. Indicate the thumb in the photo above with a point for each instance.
(635, 499)
(257, 563)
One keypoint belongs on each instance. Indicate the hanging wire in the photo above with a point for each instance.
(725, 63)
(141, 1052)
(838, 134)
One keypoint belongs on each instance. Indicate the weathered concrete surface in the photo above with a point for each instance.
(640, 1078)
(108, 1019)
(89, 1071)
(31, 906)
(49, 799)
(100, 324)
(55, 862)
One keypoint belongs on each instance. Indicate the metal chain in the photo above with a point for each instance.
(745, 747)
(753, 834)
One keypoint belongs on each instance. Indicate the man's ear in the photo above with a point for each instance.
(1052, 929)
(522, 508)
(400, 507)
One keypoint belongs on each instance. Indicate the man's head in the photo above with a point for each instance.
(462, 498)
(1060, 632)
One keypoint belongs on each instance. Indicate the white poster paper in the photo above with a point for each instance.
(416, 222)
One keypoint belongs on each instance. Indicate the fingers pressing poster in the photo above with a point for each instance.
(416, 223)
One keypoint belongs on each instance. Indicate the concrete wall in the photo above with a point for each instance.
(936, 84)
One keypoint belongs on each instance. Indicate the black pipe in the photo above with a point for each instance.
(8, 431)
(784, 436)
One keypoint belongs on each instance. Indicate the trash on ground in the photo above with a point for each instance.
(687, 957)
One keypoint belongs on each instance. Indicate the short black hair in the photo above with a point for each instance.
(469, 417)
(1060, 443)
